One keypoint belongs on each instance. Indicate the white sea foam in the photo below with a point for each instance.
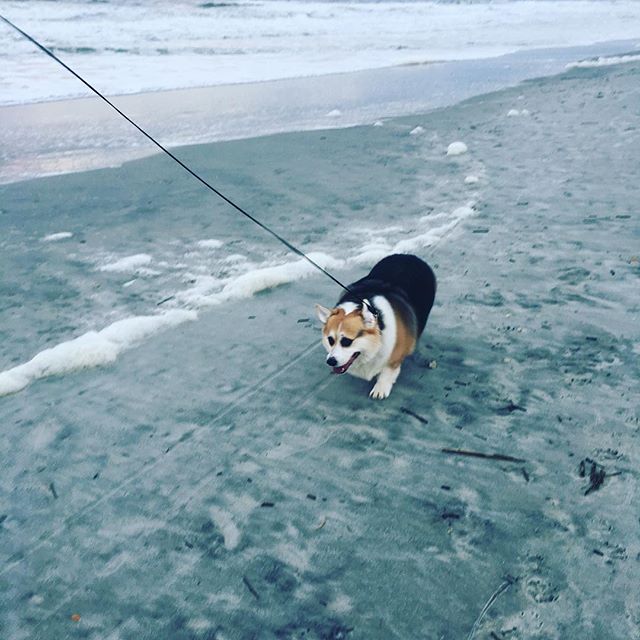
(604, 61)
(434, 234)
(370, 253)
(210, 244)
(91, 349)
(209, 291)
(456, 148)
(228, 528)
(128, 264)
(54, 237)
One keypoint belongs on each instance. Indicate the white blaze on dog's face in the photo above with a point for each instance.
(348, 335)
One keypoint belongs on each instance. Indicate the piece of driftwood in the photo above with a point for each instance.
(249, 586)
(415, 415)
(508, 581)
(486, 456)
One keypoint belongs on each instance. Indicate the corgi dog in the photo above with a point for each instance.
(377, 322)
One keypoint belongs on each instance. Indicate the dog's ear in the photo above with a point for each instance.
(367, 316)
(323, 313)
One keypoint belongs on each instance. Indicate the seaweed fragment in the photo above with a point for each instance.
(597, 474)
(415, 415)
(249, 586)
(479, 454)
(510, 408)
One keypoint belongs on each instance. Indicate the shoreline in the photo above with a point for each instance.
(80, 134)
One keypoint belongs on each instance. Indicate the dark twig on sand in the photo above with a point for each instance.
(486, 456)
(510, 408)
(508, 581)
(52, 488)
(249, 586)
(414, 415)
(597, 474)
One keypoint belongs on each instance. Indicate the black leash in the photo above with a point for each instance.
(238, 208)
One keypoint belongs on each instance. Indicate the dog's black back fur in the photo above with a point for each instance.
(406, 281)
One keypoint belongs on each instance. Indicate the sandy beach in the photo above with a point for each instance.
(210, 479)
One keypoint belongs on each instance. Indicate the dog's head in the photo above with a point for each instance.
(348, 335)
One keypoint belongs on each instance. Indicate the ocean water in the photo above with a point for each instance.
(129, 47)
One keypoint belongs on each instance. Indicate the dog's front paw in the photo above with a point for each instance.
(381, 390)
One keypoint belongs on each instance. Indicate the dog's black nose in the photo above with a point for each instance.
(332, 362)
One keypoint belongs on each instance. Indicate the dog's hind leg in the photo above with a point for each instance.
(384, 383)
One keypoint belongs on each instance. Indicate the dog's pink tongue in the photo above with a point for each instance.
(343, 368)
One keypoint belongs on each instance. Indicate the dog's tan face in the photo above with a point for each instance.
(348, 336)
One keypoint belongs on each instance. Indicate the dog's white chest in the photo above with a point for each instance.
(367, 370)
(368, 366)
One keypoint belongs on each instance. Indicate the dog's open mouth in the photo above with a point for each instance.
(343, 368)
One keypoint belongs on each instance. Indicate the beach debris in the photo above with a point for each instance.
(507, 582)
(52, 488)
(510, 408)
(165, 300)
(457, 148)
(597, 474)
(334, 113)
(416, 131)
(323, 521)
(479, 454)
(76, 617)
(250, 587)
(266, 503)
(433, 364)
(414, 415)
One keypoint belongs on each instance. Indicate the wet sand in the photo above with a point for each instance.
(67, 136)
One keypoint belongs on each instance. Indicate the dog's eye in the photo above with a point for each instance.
(331, 341)
(345, 342)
